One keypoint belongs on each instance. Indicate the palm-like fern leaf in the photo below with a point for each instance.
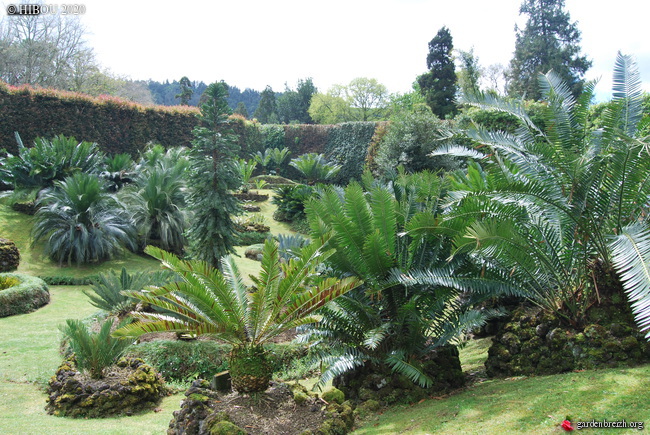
(631, 257)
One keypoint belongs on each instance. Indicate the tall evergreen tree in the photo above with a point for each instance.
(267, 111)
(470, 72)
(214, 176)
(185, 95)
(439, 84)
(550, 41)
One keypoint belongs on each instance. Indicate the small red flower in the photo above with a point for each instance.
(566, 425)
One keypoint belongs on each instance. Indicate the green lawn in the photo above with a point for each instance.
(535, 405)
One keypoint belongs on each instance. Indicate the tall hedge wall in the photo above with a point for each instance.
(117, 125)
(120, 126)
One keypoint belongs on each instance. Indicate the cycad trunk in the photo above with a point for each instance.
(250, 369)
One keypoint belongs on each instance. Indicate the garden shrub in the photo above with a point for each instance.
(20, 294)
(9, 256)
(410, 138)
(290, 202)
(188, 360)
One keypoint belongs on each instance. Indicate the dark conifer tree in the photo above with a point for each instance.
(267, 111)
(438, 86)
(185, 95)
(548, 42)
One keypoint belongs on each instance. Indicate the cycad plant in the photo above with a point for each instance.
(315, 167)
(413, 301)
(106, 291)
(47, 161)
(563, 210)
(118, 171)
(94, 351)
(206, 300)
(81, 222)
(156, 203)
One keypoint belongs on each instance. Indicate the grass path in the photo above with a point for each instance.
(29, 357)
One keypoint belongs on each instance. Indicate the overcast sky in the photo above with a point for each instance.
(256, 43)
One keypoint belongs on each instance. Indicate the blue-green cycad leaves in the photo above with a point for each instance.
(559, 200)
(81, 222)
(209, 301)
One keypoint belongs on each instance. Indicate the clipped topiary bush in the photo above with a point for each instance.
(9, 256)
(129, 387)
(20, 294)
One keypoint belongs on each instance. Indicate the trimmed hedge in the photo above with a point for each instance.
(24, 294)
(119, 126)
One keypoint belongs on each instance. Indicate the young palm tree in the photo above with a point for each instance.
(209, 301)
(81, 222)
(563, 210)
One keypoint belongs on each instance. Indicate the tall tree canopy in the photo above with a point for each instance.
(267, 111)
(186, 92)
(549, 41)
(45, 50)
(438, 85)
(363, 99)
(293, 106)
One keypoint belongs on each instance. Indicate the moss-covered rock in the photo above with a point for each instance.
(226, 428)
(333, 395)
(20, 294)
(380, 383)
(535, 342)
(9, 256)
(131, 387)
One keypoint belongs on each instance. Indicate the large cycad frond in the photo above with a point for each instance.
(631, 257)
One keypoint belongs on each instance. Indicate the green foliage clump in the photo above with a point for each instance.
(94, 351)
(410, 304)
(290, 202)
(410, 139)
(183, 360)
(20, 294)
(81, 221)
(106, 291)
(217, 302)
(347, 145)
(48, 161)
(561, 210)
(315, 168)
(156, 199)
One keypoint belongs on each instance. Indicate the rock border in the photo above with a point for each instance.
(28, 295)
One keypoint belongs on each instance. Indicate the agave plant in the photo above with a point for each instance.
(314, 167)
(209, 301)
(81, 222)
(94, 351)
(411, 302)
(562, 209)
